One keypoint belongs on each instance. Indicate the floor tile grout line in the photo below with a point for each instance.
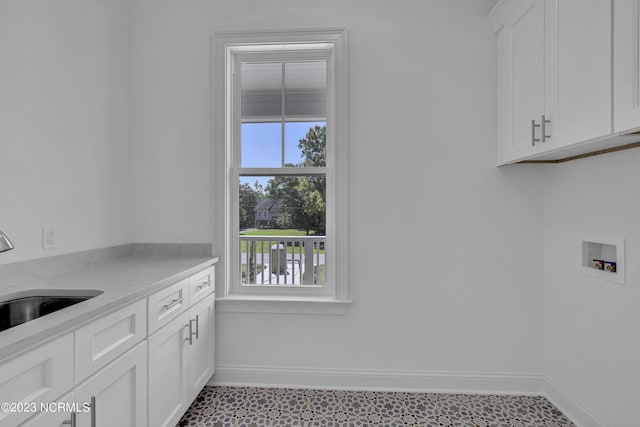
(219, 406)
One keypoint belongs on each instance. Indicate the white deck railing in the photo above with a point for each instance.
(282, 260)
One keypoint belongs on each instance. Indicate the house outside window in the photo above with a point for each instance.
(282, 134)
(267, 213)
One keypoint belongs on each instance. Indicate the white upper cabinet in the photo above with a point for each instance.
(555, 79)
(626, 57)
(520, 76)
(578, 68)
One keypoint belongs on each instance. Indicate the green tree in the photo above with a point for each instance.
(314, 147)
(249, 197)
(284, 221)
(304, 198)
(313, 188)
(313, 206)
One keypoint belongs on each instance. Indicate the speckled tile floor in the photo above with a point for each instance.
(257, 407)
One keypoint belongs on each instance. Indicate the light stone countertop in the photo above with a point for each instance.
(123, 281)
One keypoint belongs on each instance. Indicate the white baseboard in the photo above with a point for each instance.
(412, 381)
(571, 408)
(379, 380)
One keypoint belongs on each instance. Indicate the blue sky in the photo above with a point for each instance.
(261, 145)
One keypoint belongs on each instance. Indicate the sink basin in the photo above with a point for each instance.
(28, 305)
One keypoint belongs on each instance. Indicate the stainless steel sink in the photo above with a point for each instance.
(28, 305)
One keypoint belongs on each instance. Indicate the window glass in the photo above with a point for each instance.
(261, 91)
(275, 118)
(305, 144)
(261, 145)
(305, 89)
(282, 230)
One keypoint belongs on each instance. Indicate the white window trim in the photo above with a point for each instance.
(335, 299)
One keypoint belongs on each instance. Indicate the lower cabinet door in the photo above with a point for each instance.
(118, 392)
(201, 351)
(168, 372)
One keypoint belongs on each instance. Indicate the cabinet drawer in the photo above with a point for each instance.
(201, 284)
(168, 303)
(40, 375)
(103, 340)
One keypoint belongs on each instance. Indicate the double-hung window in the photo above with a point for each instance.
(281, 133)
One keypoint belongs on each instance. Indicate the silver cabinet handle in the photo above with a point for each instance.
(533, 133)
(72, 421)
(190, 336)
(190, 326)
(197, 326)
(93, 411)
(172, 304)
(543, 128)
(203, 285)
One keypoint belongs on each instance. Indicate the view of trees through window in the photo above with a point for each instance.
(289, 201)
(281, 124)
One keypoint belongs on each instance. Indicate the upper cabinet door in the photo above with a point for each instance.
(520, 36)
(626, 57)
(556, 77)
(578, 58)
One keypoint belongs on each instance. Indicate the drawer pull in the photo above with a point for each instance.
(72, 421)
(203, 285)
(172, 304)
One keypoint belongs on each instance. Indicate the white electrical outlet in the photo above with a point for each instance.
(48, 237)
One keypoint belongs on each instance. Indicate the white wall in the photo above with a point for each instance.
(591, 325)
(65, 70)
(172, 183)
(446, 275)
(447, 278)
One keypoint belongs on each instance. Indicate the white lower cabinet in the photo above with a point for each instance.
(202, 350)
(168, 373)
(139, 366)
(104, 339)
(181, 362)
(37, 376)
(117, 393)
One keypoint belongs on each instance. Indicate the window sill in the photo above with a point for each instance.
(252, 304)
